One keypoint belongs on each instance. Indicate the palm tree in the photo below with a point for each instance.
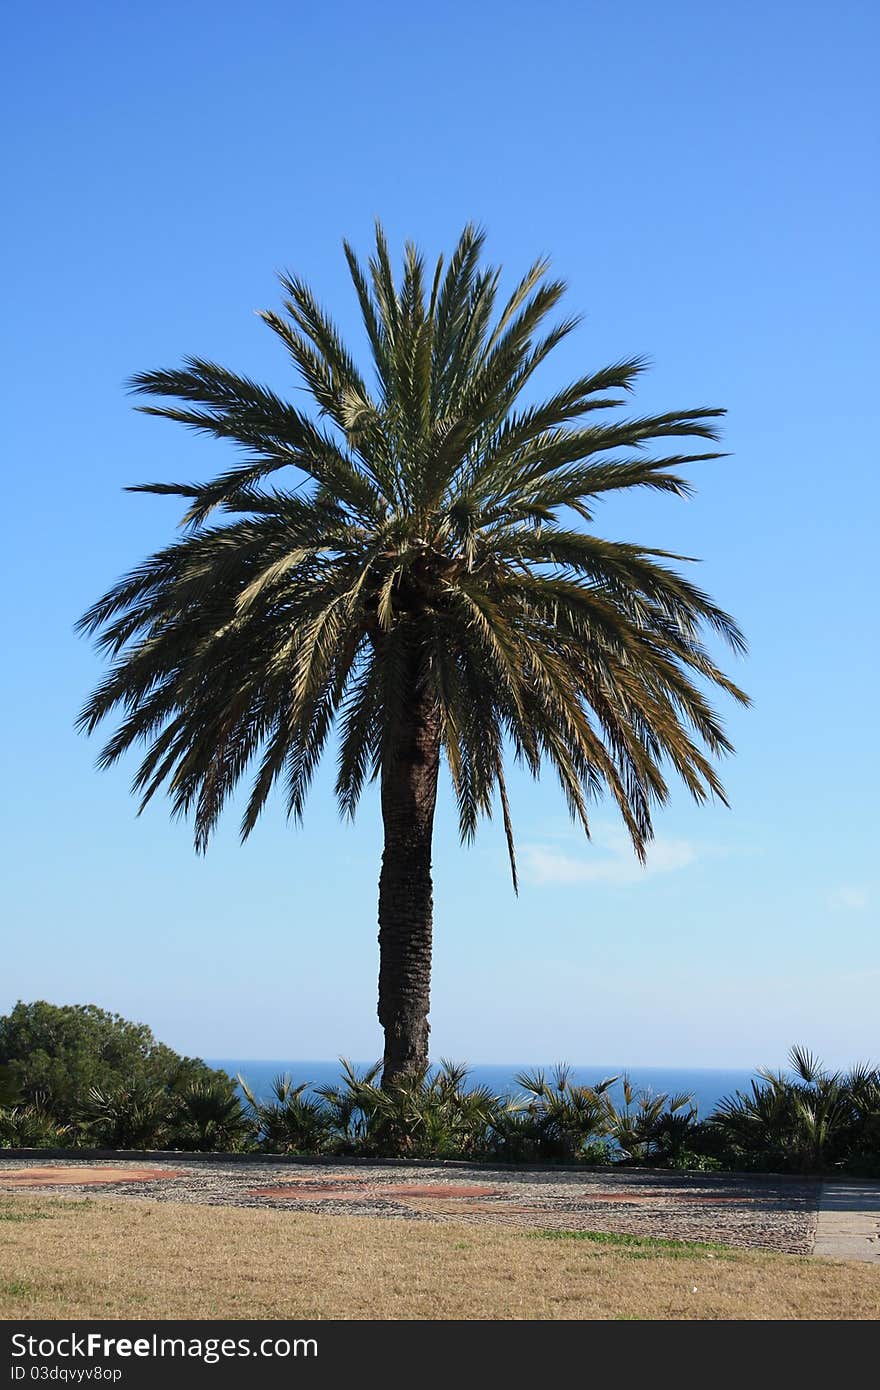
(429, 585)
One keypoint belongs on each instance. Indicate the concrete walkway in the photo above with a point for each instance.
(848, 1224)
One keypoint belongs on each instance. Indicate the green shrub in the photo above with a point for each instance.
(32, 1126)
(650, 1128)
(553, 1121)
(810, 1120)
(351, 1108)
(62, 1052)
(10, 1092)
(807, 1122)
(130, 1117)
(424, 1116)
(859, 1140)
(692, 1161)
(208, 1116)
(291, 1121)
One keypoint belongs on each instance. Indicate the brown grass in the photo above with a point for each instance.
(85, 1258)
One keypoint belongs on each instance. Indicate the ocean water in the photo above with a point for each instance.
(706, 1086)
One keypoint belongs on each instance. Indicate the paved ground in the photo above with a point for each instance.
(756, 1213)
(848, 1224)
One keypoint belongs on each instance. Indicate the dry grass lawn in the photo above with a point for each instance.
(86, 1257)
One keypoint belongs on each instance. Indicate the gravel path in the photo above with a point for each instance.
(749, 1212)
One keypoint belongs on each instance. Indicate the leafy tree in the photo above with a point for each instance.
(430, 583)
(58, 1054)
(9, 1092)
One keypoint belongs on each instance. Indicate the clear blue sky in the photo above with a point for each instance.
(704, 176)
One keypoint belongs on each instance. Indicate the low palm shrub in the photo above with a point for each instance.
(650, 1128)
(204, 1115)
(32, 1126)
(808, 1121)
(352, 1107)
(426, 1115)
(862, 1139)
(290, 1121)
(134, 1116)
(207, 1116)
(553, 1120)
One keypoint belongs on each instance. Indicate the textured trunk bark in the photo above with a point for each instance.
(409, 795)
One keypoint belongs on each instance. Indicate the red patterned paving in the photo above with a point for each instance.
(343, 1189)
(619, 1198)
(308, 1194)
(302, 1190)
(625, 1198)
(468, 1206)
(326, 1181)
(81, 1176)
(339, 1188)
(439, 1190)
(697, 1197)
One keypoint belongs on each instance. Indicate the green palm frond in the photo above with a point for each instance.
(806, 1064)
(435, 526)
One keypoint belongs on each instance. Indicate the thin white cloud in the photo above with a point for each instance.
(849, 898)
(858, 976)
(609, 859)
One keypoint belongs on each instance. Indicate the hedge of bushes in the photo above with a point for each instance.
(806, 1120)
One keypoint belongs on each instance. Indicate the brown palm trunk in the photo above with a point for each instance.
(409, 795)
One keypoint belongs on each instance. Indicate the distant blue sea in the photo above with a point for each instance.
(706, 1086)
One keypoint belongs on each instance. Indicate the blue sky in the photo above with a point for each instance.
(704, 177)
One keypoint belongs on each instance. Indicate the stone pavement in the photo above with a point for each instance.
(848, 1221)
(733, 1209)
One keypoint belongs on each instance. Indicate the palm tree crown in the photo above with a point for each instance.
(434, 548)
